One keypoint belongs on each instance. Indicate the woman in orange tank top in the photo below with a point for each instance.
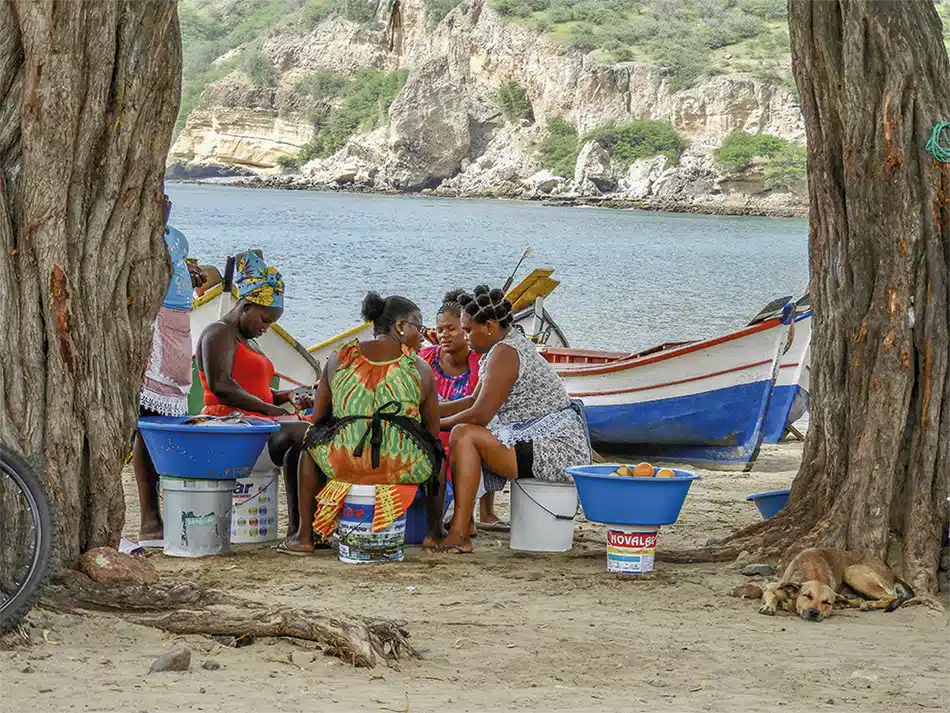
(236, 375)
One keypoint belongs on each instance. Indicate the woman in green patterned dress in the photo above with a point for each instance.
(375, 422)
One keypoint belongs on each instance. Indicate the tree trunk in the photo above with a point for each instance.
(88, 96)
(874, 78)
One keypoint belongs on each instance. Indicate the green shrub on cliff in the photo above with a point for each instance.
(436, 10)
(643, 138)
(783, 163)
(513, 101)
(363, 105)
(259, 69)
(559, 148)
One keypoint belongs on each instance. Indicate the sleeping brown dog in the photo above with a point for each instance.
(813, 581)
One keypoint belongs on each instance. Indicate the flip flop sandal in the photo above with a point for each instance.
(446, 549)
(500, 526)
(283, 549)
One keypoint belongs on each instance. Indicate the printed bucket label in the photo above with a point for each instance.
(255, 511)
(358, 542)
(630, 552)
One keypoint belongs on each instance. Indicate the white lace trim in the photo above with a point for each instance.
(509, 434)
(164, 405)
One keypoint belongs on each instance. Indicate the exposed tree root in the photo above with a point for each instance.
(185, 608)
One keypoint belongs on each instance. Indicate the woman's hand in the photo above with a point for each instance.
(198, 276)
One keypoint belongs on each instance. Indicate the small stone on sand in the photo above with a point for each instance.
(210, 665)
(748, 591)
(757, 570)
(175, 660)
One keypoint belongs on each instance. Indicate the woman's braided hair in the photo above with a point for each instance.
(487, 304)
(450, 303)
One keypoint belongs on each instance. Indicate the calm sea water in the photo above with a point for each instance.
(630, 279)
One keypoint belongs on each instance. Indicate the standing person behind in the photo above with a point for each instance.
(375, 422)
(236, 375)
(519, 423)
(455, 366)
(168, 374)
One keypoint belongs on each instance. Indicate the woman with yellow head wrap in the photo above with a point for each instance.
(236, 375)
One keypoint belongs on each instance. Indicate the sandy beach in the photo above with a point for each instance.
(505, 631)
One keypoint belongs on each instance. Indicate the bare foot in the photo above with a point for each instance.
(295, 544)
(151, 531)
(454, 545)
(490, 519)
(472, 530)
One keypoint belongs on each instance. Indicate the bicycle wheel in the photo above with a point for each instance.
(28, 537)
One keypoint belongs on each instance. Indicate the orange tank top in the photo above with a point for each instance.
(252, 371)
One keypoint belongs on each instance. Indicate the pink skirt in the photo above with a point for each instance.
(168, 375)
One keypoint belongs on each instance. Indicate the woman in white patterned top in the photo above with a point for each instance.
(519, 422)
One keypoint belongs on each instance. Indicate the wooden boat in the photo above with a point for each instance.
(790, 395)
(702, 403)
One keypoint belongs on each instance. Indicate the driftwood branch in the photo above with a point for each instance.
(185, 608)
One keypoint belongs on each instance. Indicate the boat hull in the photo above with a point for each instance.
(790, 396)
(701, 404)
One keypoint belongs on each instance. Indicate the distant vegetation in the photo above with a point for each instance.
(643, 138)
(436, 10)
(512, 99)
(362, 104)
(692, 39)
(783, 163)
(559, 148)
(211, 28)
(625, 144)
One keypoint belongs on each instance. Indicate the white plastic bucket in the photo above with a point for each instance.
(630, 548)
(197, 516)
(254, 508)
(542, 516)
(254, 503)
(358, 543)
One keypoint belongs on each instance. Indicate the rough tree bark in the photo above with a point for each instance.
(88, 97)
(874, 77)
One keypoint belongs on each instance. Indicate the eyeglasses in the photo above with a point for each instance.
(420, 327)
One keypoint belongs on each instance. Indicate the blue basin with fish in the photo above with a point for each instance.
(204, 451)
(621, 500)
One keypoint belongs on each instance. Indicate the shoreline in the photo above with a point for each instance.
(613, 203)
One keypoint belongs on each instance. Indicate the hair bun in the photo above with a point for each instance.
(453, 297)
(481, 290)
(373, 306)
(496, 295)
(483, 300)
(465, 298)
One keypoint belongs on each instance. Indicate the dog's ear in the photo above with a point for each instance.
(790, 589)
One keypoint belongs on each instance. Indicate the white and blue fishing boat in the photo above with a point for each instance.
(790, 395)
(701, 403)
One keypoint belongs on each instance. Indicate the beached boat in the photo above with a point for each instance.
(701, 403)
(790, 395)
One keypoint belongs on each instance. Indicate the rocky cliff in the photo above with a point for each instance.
(445, 132)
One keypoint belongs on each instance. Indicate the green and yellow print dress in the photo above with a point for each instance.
(375, 437)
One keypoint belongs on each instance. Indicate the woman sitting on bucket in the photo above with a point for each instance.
(375, 422)
(519, 423)
(236, 375)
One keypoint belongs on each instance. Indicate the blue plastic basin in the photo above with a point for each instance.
(216, 451)
(417, 522)
(770, 503)
(619, 500)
